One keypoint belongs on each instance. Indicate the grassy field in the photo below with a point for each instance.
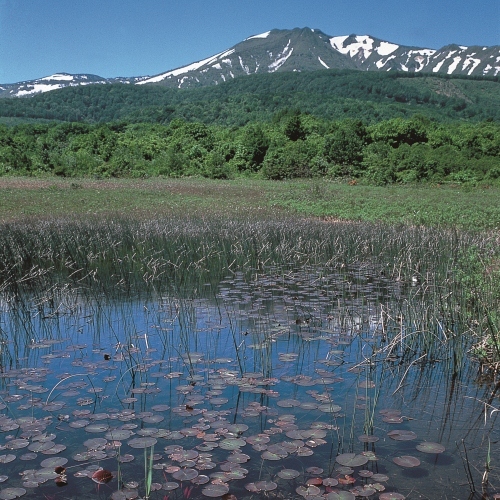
(458, 206)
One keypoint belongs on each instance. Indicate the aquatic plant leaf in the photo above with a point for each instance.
(402, 435)
(351, 460)
(430, 447)
(265, 485)
(215, 490)
(185, 474)
(142, 442)
(406, 461)
(288, 473)
(340, 495)
(102, 476)
(54, 462)
(170, 486)
(11, 493)
(5, 459)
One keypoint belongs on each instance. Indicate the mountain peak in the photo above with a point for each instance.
(298, 49)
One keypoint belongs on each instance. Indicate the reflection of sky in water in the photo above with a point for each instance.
(284, 353)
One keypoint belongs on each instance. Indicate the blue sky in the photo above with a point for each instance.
(147, 37)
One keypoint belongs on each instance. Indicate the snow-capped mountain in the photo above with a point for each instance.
(58, 81)
(300, 49)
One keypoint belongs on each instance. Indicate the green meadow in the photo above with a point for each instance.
(463, 207)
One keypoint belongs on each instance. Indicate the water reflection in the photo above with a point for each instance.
(248, 388)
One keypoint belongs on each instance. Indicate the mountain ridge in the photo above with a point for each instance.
(299, 49)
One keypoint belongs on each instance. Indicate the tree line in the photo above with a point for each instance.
(291, 144)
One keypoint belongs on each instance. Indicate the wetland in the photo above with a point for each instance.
(245, 353)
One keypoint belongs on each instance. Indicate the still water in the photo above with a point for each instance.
(284, 383)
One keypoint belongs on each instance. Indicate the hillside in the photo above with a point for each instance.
(329, 94)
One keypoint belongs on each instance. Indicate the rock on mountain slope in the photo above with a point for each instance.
(300, 49)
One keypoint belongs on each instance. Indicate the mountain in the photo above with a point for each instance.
(300, 49)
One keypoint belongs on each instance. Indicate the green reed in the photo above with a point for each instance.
(59, 265)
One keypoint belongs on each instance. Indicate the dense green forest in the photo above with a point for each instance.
(292, 144)
(328, 94)
(373, 127)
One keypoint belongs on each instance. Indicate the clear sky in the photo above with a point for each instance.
(146, 37)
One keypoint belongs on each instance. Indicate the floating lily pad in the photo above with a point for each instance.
(406, 461)
(97, 427)
(215, 490)
(11, 493)
(288, 473)
(329, 408)
(185, 474)
(351, 460)
(430, 447)
(102, 476)
(142, 442)
(402, 435)
(340, 495)
(308, 491)
(54, 462)
(266, 485)
(170, 486)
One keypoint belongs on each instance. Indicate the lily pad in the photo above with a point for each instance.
(402, 435)
(430, 447)
(351, 459)
(406, 461)
(11, 493)
(288, 473)
(215, 490)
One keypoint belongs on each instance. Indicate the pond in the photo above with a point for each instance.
(282, 382)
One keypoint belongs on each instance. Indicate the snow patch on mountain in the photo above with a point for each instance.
(386, 48)
(186, 69)
(453, 66)
(262, 35)
(59, 76)
(471, 61)
(381, 63)
(282, 58)
(323, 63)
(38, 87)
(244, 67)
(363, 46)
(436, 68)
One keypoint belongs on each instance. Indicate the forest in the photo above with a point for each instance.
(293, 144)
(369, 127)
